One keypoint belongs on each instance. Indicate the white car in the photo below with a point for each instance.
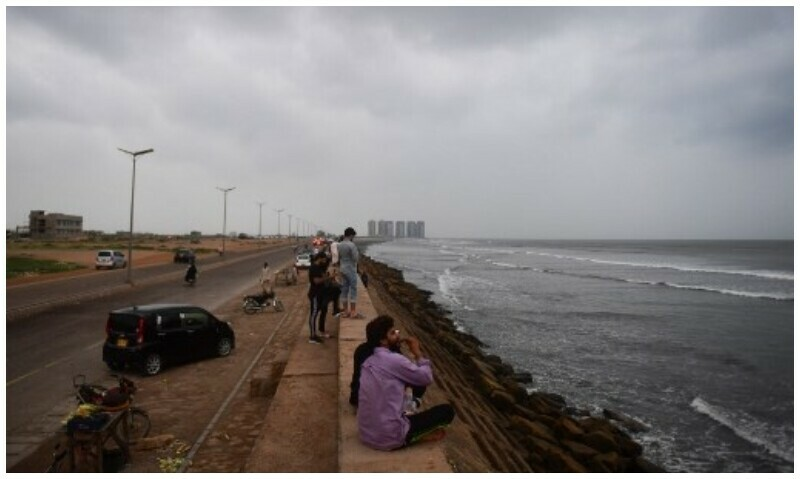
(303, 261)
(110, 259)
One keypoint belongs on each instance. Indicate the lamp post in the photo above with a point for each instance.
(259, 219)
(279, 221)
(289, 234)
(225, 214)
(133, 154)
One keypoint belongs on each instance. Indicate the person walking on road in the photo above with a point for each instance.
(348, 267)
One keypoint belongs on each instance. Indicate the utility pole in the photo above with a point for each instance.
(279, 221)
(259, 219)
(133, 154)
(225, 214)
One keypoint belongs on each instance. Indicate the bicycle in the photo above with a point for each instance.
(136, 423)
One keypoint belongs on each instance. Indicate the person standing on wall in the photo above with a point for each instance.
(348, 267)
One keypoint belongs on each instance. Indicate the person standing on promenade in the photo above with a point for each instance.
(382, 421)
(348, 265)
(316, 285)
(330, 294)
(266, 279)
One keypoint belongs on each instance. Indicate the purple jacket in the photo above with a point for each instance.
(382, 424)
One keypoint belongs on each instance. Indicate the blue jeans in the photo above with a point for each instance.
(349, 284)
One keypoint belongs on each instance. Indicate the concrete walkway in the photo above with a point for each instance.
(311, 426)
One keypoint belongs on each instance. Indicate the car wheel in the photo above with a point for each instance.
(224, 347)
(153, 364)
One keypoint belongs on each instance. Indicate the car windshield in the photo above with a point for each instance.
(303, 256)
(125, 323)
(104, 254)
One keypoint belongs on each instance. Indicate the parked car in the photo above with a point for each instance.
(303, 261)
(110, 259)
(150, 337)
(183, 255)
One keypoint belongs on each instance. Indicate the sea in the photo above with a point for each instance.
(695, 339)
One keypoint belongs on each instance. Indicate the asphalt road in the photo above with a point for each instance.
(56, 329)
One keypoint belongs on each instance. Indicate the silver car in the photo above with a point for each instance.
(110, 259)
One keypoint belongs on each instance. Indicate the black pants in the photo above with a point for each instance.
(331, 294)
(428, 421)
(313, 314)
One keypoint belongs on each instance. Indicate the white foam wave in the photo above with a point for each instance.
(777, 275)
(774, 440)
(507, 265)
(711, 289)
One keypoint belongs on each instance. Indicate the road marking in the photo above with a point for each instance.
(51, 364)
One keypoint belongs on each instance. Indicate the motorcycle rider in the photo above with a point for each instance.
(191, 273)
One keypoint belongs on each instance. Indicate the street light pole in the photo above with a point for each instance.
(133, 154)
(259, 219)
(289, 234)
(225, 214)
(279, 221)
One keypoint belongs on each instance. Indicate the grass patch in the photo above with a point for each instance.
(17, 266)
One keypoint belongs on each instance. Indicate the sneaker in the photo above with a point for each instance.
(325, 335)
(314, 340)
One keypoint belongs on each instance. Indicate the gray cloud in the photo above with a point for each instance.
(512, 122)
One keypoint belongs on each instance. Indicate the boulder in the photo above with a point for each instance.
(578, 450)
(566, 427)
(535, 429)
(502, 400)
(609, 461)
(600, 440)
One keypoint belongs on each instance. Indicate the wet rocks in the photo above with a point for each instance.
(550, 436)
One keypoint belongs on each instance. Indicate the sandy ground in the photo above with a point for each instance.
(163, 253)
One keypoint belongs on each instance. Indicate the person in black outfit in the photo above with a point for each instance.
(316, 286)
(330, 294)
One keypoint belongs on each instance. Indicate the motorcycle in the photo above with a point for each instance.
(253, 303)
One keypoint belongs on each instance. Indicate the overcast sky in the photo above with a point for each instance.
(526, 122)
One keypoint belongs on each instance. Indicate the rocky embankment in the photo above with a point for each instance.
(539, 432)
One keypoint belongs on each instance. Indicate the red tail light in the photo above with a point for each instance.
(140, 331)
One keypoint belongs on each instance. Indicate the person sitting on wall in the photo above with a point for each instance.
(382, 421)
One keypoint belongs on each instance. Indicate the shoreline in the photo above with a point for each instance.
(534, 432)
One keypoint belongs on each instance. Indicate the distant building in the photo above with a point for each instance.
(397, 229)
(386, 228)
(54, 225)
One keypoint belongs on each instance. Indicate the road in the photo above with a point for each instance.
(49, 341)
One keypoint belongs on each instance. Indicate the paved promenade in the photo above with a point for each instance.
(311, 426)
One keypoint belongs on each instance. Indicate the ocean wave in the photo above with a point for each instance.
(774, 440)
(709, 289)
(507, 265)
(450, 283)
(776, 275)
